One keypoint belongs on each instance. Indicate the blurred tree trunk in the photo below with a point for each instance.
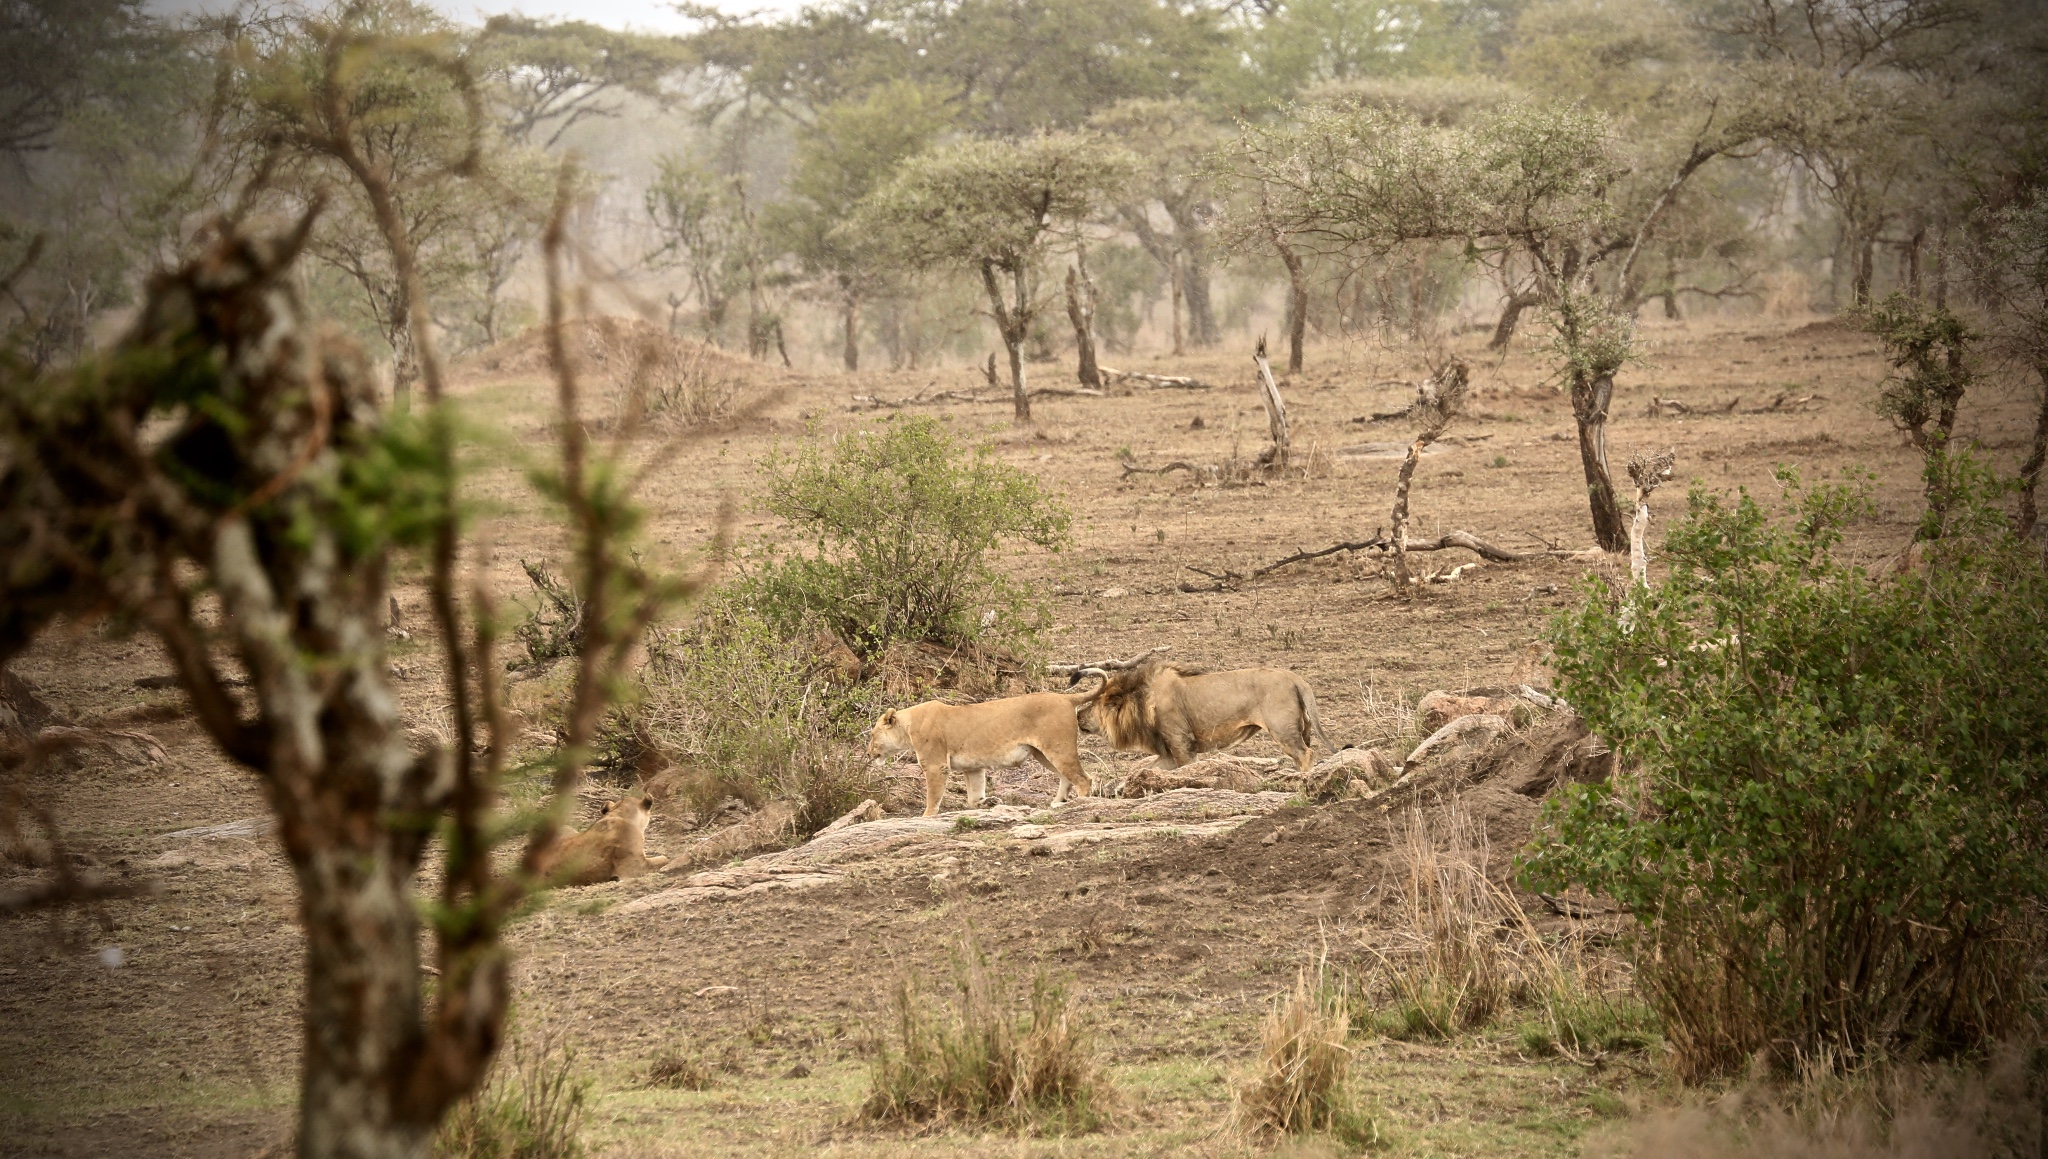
(1081, 312)
(850, 348)
(1297, 302)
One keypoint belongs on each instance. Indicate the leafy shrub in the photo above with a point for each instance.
(533, 1110)
(757, 715)
(986, 1054)
(1830, 819)
(904, 521)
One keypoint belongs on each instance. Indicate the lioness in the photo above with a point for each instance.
(615, 846)
(1175, 712)
(995, 734)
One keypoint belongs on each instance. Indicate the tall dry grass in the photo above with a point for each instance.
(986, 1053)
(531, 1107)
(1299, 1081)
(1465, 954)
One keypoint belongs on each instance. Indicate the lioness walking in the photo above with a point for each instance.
(995, 734)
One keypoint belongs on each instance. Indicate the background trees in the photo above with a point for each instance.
(997, 208)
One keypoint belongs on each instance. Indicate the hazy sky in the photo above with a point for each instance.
(646, 15)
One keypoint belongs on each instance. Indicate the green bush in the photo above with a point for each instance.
(903, 520)
(1829, 821)
(758, 715)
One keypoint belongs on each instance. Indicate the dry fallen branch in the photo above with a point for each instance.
(1646, 471)
(1230, 581)
(1785, 401)
(1076, 671)
(1170, 381)
(871, 402)
(1671, 407)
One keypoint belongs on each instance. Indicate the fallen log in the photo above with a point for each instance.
(1170, 381)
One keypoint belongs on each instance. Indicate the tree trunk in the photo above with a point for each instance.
(1297, 303)
(1510, 317)
(1176, 277)
(1913, 247)
(1276, 407)
(1012, 325)
(1589, 406)
(362, 1007)
(1866, 273)
(2030, 471)
(850, 348)
(405, 367)
(1081, 312)
(1195, 286)
(1403, 582)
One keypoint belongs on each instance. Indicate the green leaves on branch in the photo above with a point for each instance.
(904, 521)
(1830, 817)
(994, 200)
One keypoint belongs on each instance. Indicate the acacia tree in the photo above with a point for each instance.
(546, 77)
(226, 479)
(370, 104)
(1552, 185)
(1171, 140)
(998, 208)
(1854, 86)
(2008, 266)
(846, 152)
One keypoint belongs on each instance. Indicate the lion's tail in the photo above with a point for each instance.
(1311, 722)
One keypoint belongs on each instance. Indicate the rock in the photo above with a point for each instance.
(1229, 773)
(1332, 777)
(1439, 708)
(1028, 832)
(1463, 732)
(868, 810)
(1112, 593)
(1270, 838)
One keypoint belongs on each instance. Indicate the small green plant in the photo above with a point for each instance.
(903, 522)
(1500, 460)
(984, 1053)
(531, 1107)
(1828, 820)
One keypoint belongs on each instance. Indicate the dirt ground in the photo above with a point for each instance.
(167, 1025)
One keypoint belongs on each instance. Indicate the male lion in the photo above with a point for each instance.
(1175, 712)
(615, 846)
(995, 734)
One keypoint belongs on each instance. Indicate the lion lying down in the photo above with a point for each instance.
(1175, 713)
(995, 734)
(615, 846)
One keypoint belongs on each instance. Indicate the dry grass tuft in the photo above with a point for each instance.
(531, 1107)
(986, 1054)
(1299, 1086)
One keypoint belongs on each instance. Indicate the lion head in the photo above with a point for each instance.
(889, 736)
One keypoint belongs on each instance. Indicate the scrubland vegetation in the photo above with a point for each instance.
(415, 436)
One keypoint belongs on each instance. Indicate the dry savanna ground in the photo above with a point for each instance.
(1176, 946)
